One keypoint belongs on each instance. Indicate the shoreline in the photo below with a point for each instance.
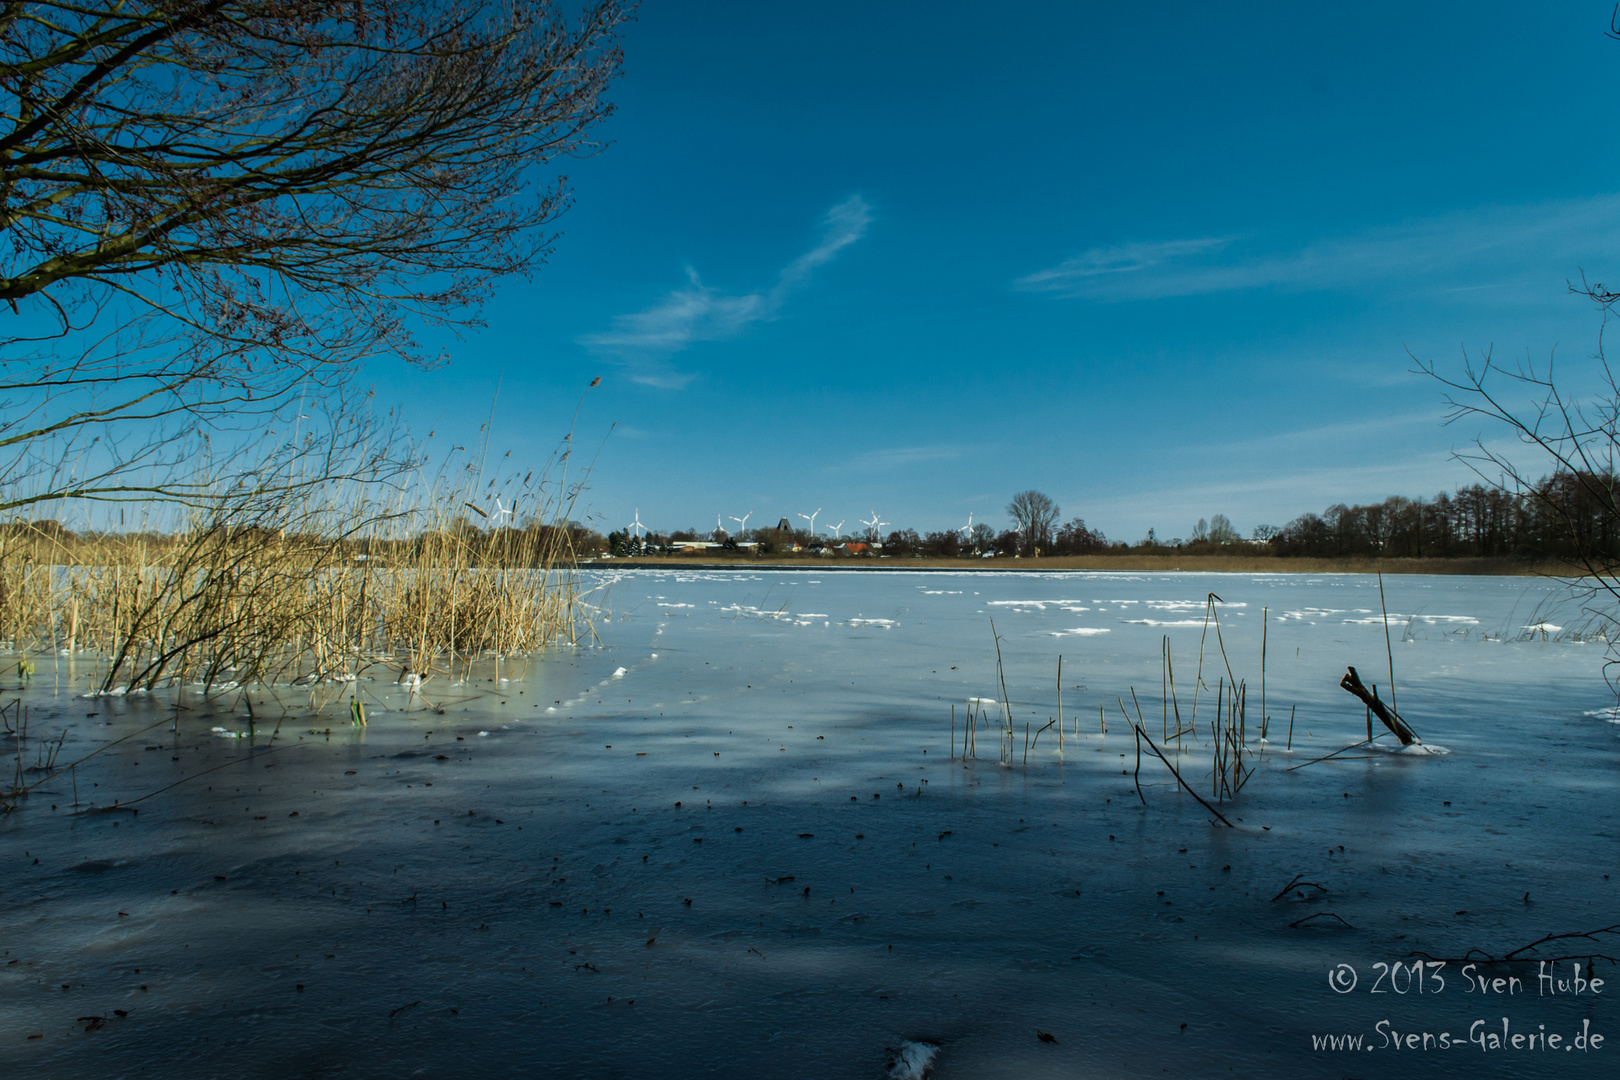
(1232, 564)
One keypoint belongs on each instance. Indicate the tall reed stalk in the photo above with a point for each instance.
(298, 577)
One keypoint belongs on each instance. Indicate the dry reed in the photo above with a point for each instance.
(304, 580)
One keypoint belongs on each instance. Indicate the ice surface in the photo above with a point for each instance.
(575, 875)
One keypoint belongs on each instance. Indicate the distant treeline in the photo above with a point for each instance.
(1568, 517)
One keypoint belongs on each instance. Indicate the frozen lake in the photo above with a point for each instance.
(734, 837)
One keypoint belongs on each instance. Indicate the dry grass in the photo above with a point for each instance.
(304, 583)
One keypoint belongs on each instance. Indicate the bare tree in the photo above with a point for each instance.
(1221, 530)
(211, 210)
(1034, 515)
(1575, 438)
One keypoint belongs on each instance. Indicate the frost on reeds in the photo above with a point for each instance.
(297, 576)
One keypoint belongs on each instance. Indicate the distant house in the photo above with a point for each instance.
(687, 547)
(855, 548)
(783, 526)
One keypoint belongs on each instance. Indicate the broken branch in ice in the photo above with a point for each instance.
(1352, 682)
(1296, 883)
(1480, 956)
(1320, 915)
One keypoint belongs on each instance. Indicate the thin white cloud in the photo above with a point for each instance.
(1490, 243)
(843, 225)
(646, 340)
(1120, 259)
(900, 457)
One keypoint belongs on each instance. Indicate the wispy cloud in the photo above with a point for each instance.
(1497, 242)
(645, 341)
(899, 457)
(1121, 259)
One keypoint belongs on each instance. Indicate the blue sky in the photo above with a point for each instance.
(1158, 262)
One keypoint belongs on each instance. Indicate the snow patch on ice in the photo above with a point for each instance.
(1038, 605)
(1415, 750)
(1310, 613)
(911, 1060)
(1393, 618)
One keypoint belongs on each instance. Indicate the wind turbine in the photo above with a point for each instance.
(636, 524)
(833, 529)
(742, 523)
(811, 518)
(719, 528)
(873, 525)
(968, 528)
(501, 510)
